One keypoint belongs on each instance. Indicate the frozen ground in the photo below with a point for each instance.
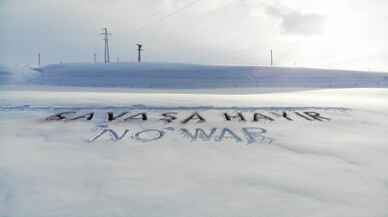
(286, 162)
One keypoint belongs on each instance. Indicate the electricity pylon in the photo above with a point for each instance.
(106, 35)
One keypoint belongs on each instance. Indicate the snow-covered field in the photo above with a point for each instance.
(188, 140)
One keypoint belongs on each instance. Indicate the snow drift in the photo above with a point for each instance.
(188, 76)
(71, 144)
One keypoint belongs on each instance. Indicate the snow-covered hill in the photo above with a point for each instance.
(187, 76)
(188, 140)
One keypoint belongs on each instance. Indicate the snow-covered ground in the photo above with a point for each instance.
(189, 140)
(187, 76)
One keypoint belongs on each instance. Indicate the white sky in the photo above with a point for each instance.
(347, 34)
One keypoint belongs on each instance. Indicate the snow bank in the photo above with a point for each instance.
(188, 76)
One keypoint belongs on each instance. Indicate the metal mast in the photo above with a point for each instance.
(139, 50)
(106, 35)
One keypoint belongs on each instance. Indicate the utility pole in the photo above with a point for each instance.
(139, 50)
(106, 35)
(95, 58)
(38, 59)
(271, 58)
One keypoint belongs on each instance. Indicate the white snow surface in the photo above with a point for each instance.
(314, 168)
(189, 76)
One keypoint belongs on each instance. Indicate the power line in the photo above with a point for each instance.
(184, 7)
(189, 5)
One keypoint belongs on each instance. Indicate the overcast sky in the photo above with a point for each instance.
(347, 34)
